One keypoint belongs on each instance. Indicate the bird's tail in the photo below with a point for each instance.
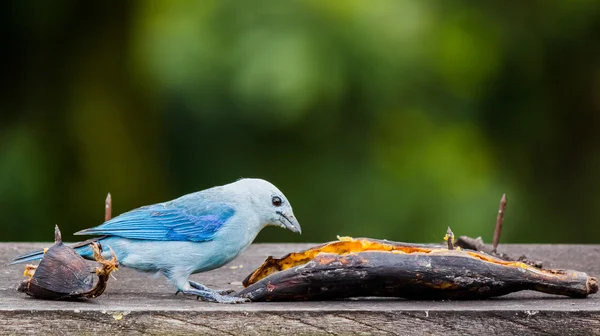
(36, 255)
(82, 248)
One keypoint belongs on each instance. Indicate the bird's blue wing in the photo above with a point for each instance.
(167, 221)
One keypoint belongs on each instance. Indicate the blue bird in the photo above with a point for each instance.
(195, 233)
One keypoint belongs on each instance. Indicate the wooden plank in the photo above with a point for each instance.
(137, 303)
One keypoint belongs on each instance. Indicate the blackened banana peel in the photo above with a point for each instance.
(365, 267)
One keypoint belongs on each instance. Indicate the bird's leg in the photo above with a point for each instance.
(201, 287)
(212, 296)
(209, 295)
(180, 280)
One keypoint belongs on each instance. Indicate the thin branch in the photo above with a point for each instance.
(108, 208)
(450, 239)
(499, 220)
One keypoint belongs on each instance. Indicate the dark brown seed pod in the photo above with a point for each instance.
(64, 274)
(369, 268)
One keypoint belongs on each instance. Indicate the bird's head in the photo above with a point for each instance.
(270, 203)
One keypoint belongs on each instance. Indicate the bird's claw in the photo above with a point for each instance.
(213, 296)
(225, 299)
(210, 295)
(224, 291)
(206, 289)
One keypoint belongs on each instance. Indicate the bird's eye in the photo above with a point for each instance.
(276, 200)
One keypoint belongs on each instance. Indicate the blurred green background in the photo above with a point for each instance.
(388, 118)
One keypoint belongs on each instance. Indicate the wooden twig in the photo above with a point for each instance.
(477, 244)
(108, 208)
(450, 239)
(499, 220)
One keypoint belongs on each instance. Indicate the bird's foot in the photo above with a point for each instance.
(212, 296)
(206, 289)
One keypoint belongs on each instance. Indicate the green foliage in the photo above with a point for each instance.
(386, 119)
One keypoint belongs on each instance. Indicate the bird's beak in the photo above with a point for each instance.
(289, 222)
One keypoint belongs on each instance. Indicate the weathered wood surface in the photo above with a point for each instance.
(141, 304)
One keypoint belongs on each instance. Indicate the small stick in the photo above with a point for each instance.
(450, 239)
(499, 220)
(108, 208)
